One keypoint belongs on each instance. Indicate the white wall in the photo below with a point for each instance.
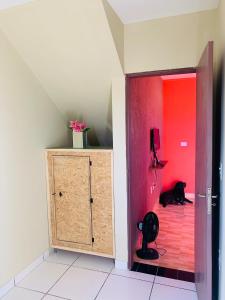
(69, 46)
(120, 169)
(117, 29)
(29, 122)
(168, 43)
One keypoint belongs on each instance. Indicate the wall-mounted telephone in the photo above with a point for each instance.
(155, 146)
(155, 139)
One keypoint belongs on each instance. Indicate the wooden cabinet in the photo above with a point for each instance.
(80, 200)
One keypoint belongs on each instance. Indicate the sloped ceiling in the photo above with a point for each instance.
(69, 47)
(117, 29)
(9, 3)
(131, 11)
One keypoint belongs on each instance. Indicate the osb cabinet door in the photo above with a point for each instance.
(71, 180)
(102, 208)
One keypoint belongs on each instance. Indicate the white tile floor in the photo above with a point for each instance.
(72, 276)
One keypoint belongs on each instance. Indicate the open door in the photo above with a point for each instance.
(204, 169)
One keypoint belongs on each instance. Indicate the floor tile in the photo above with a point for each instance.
(162, 292)
(63, 257)
(134, 275)
(93, 262)
(79, 284)
(43, 277)
(175, 283)
(22, 294)
(122, 288)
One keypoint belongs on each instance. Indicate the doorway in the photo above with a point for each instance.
(145, 185)
(167, 103)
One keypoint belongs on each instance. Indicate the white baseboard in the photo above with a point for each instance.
(20, 276)
(6, 288)
(121, 264)
(48, 252)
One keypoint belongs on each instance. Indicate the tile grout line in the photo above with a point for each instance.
(76, 260)
(57, 263)
(89, 269)
(151, 291)
(153, 284)
(133, 277)
(27, 289)
(110, 273)
(60, 263)
(69, 266)
(57, 297)
(176, 287)
(46, 293)
(86, 268)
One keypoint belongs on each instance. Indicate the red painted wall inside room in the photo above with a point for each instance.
(179, 122)
(145, 100)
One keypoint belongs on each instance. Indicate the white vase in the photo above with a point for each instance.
(78, 140)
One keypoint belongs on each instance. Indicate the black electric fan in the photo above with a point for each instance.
(149, 228)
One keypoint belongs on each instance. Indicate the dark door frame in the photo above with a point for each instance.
(147, 74)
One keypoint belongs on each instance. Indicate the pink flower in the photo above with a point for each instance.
(78, 126)
(73, 124)
(83, 126)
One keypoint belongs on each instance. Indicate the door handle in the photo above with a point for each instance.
(201, 196)
(204, 196)
(209, 198)
(213, 197)
(60, 194)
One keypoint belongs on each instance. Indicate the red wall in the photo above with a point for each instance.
(145, 106)
(179, 121)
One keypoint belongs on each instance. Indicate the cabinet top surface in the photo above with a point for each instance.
(97, 149)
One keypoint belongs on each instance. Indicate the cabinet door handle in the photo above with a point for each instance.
(53, 194)
(60, 194)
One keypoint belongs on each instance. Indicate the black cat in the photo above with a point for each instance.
(175, 196)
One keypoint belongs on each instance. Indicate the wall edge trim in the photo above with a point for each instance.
(121, 264)
(21, 275)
